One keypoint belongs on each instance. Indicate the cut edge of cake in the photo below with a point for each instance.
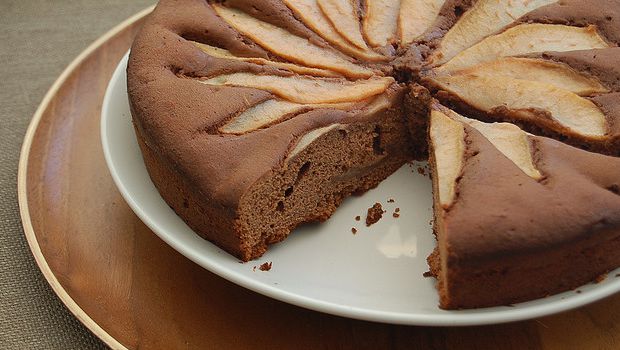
(526, 242)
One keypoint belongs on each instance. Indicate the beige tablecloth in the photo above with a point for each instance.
(38, 39)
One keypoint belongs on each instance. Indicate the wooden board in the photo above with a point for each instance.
(134, 291)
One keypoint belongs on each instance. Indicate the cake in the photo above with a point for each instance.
(255, 117)
(517, 216)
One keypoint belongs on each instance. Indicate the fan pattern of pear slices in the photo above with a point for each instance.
(448, 140)
(487, 94)
(486, 17)
(479, 60)
(289, 46)
(315, 75)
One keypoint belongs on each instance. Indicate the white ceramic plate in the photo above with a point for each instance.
(373, 275)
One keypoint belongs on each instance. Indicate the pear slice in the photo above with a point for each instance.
(269, 112)
(381, 21)
(378, 104)
(345, 19)
(484, 18)
(309, 138)
(223, 53)
(509, 139)
(527, 38)
(305, 89)
(260, 115)
(289, 46)
(486, 93)
(541, 70)
(416, 17)
(310, 13)
(447, 139)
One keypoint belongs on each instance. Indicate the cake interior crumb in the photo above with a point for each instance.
(375, 213)
(265, 266)
(353, 230)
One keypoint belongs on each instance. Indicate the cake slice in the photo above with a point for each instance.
(517, 216)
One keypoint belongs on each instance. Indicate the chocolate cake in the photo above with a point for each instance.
(255, 117)
(517, 216)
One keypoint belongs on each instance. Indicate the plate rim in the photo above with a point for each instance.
(452, 318)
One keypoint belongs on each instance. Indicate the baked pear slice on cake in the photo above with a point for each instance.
(571, 96)
(517, 216)
(484, 18)
(380, 22)
(310, 12)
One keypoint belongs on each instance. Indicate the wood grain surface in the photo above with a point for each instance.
(134, 291)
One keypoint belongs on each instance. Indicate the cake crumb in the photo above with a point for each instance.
(396, 213)
(353, 230)
(358, 218)
(391, 200)
(578, 291)
(375, 213)
(254, 268)
(600, 278)
(618, 275)
(421, 171)
(427, 274)
(265, 266)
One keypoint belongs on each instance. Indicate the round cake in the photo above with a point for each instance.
(255, 117)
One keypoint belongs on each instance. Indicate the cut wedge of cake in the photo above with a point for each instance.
(515, 214)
